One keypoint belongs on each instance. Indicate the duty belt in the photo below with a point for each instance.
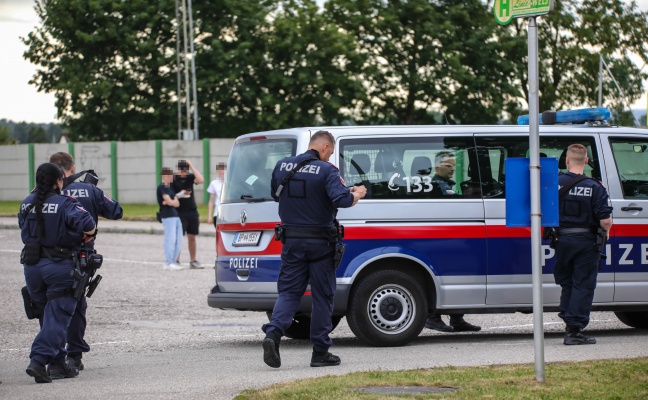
(573, 231)
(56, 253)
(293, 232)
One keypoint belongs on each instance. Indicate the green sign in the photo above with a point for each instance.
(506, 10)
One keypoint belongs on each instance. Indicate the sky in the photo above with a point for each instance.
(20, 101)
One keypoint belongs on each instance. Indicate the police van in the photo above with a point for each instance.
(411, 248)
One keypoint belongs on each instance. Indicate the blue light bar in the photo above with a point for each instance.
(572, 116)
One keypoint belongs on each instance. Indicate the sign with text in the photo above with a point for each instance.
(506, 10)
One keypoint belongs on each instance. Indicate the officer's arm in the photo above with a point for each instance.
(339, 194)
(108, 208)
(606, 224)
(78, 218)
(358, 193)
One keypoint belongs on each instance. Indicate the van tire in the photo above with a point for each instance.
(635, 319)
(387, 308)
(300, 328)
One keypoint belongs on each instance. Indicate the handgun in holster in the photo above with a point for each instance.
(30, 308)
(280, 233)
(601, 241)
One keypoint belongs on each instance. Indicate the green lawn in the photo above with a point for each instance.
(606, 379)
(140, 212)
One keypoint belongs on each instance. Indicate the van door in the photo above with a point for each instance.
(509, 280)
(627, 166)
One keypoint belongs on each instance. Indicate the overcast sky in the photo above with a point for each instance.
(20, 101)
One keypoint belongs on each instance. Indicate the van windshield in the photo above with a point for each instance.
(250, 169)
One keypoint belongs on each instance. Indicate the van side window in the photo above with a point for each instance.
(408, 168)
(631, 158)
(494, 150)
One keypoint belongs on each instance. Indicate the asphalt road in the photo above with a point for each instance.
(154, 337)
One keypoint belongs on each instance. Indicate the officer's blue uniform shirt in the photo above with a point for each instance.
(445, 185)
(586, 195)
(318, 183)
(93, 200)
(63, 217)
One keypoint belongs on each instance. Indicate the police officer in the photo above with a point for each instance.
(308, 204)
(445, 164)
(96, 203)
(52, 227)
(583, 209)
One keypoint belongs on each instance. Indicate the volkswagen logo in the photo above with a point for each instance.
(243, 217)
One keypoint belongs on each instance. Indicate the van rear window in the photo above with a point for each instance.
(250, 169)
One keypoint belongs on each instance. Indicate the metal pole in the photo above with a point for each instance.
(625, 99)
(193, 73)
(534, 167)
(186, 63)
(179, 93)
(600, 92)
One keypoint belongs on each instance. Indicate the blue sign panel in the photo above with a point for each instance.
(518, 192)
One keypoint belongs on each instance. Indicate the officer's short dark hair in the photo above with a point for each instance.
(442, 155)
(167, 171)
(63, 160)
(322, 135)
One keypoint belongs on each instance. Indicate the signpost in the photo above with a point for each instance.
(505, 11)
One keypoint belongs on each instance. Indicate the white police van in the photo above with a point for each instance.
(412, 249)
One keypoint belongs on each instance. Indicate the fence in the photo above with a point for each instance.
(128, 171)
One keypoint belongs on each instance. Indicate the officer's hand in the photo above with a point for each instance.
(360, 191)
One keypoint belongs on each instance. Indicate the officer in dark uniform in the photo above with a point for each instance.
(308, 208)
(583, 209)
(445, 164)
(82, 186)
(52, 227)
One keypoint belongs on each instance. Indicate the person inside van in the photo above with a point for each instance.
(444, 167)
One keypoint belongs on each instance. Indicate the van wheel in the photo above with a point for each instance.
(300, 328)
(388, 308)
(635, 319)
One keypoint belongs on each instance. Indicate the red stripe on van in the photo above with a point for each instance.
(414, 232)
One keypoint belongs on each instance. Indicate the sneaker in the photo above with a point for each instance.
(324, 359)
(38, 372)
(462, 326)
(75, 363)
(435, 322)
(172, 267)
(576, 338)
(195, 265)
(271, 352)
(62, 371)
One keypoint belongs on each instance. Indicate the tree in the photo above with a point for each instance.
(37, 134)
(571, 38)
(110, 65)
(5, 135)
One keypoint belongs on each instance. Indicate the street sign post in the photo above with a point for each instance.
(506, 10)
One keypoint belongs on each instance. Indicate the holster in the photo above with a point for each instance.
(339, 252)
(30, 254)
(550, 234)
(601, 241)
(30, 309)
(279, 233)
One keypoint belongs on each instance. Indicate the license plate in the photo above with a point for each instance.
(247, 238)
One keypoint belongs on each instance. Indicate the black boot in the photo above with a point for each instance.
(461, 325)
(435, 322)
(324, 359)
(575, 337)
(271, 349)
(38, 372)
(61, 371)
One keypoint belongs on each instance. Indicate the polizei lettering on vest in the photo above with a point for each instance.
(77, 192)
(308, 169)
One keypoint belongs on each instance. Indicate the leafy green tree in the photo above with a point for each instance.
(110, 65)
(425, 56)
(5, 135)
(571, 38)
(37, 134)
